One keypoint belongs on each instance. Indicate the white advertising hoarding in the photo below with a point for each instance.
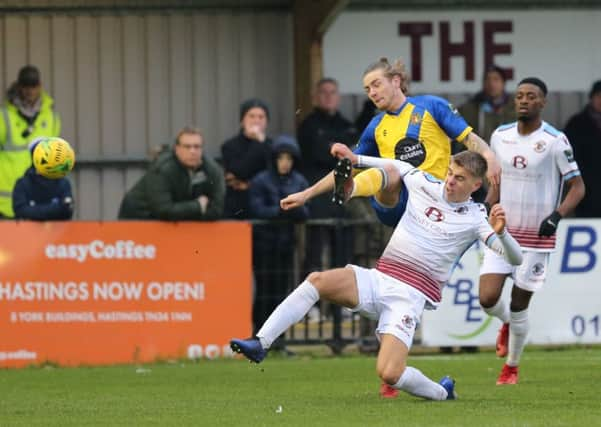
(446, 51)
(567, 310)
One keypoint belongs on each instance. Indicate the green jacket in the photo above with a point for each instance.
(15, 158)
(168, 191)
(483, 121)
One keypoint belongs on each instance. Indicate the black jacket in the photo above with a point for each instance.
(244, 158)
(585, 136)
(168, 191)
(316, 134)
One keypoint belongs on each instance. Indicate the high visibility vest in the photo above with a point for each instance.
(15, 158)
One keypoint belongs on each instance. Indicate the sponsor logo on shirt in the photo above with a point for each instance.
(519, 162)
(427, 193)
(411, 151)
(434, 214)
(569, 155)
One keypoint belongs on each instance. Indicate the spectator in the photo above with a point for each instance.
(489, 108)
(322, 127)
(274, 242)
(42, 199)
(181, 184)
(584, 133)
(244, 156)
(27, 114)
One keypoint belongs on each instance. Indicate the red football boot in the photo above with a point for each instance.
(388, 392)
(508, 375)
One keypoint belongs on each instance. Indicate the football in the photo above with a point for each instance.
(53, 158)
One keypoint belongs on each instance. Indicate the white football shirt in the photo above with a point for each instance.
(432, 234)
(534, 168)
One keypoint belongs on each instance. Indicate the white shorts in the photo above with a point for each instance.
(397, 306)
(530, 275)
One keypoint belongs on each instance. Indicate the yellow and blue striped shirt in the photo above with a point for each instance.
(419, 132)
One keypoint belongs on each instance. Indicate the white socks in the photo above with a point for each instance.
(518, 333)
(500, 310)
(289, 312)
(414, 382)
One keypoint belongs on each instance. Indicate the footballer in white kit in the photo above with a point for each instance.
(439, 225)
(537, 161)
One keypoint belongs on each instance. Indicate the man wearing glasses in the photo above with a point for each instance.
(182, 184)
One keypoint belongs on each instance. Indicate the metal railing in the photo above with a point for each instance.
(285, 253)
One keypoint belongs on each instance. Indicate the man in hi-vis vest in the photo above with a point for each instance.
(27, 114)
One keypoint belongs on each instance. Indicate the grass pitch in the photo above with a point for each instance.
(557, 388)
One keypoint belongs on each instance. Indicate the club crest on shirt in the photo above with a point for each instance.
(415, 118)
(434, 214)
(408, 321)
(539, 146)
(538, 269)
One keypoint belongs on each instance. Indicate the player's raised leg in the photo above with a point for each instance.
(338, 286)
(383, 183)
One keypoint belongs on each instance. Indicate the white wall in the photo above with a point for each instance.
(126, 82)
(560, 46)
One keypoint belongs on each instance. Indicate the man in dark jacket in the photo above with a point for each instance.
(38, 198)
(316, 134)
(584, 132)
(182, 184)
(489, 108)
(244, 156)
(274, 242)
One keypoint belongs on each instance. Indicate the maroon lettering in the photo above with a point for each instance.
(415, 30)
(449, 49)
(519, 162)
(491, 48)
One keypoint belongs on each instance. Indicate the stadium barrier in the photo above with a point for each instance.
(75, 293)
(317, 245)
(92, 293)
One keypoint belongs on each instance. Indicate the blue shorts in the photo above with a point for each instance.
(391, 216)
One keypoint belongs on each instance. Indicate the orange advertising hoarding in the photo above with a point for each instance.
(93, 293)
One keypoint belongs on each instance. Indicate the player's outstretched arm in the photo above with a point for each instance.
(474, 143)
(505, 244)
(296, 200)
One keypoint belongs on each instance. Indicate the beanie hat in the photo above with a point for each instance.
(596, 88)
(253, 103)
